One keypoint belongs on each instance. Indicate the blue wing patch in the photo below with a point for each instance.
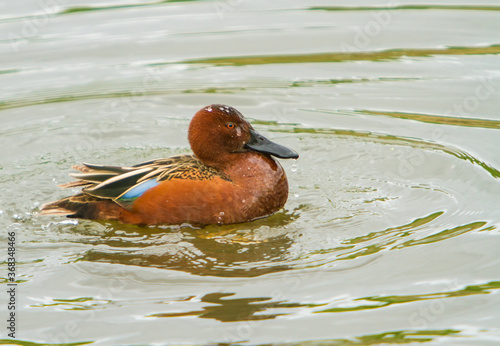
(138, 190)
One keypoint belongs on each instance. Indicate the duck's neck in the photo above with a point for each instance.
(252, 166)
(247, 165)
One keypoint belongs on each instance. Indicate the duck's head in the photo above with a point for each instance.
(218, 131)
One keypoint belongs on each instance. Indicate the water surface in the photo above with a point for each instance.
(391, 231)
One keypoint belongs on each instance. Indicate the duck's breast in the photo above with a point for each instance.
(263, 185)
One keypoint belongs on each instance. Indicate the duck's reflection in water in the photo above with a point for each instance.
(227, 309)
(243, 250)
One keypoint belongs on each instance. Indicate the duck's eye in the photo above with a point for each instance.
(230, 125)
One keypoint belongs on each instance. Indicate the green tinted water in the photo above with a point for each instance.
(390, 234)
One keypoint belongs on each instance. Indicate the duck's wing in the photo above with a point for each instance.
(124, 184)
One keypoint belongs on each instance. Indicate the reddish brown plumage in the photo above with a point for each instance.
(256, 192)
(232, 182)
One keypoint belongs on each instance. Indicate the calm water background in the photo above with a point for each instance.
(391, 231)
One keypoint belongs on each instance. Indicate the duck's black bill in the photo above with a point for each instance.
(263, 145)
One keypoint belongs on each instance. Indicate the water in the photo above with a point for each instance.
(391, 231)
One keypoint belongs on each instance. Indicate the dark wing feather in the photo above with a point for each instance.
(93, 177)
(117, 185)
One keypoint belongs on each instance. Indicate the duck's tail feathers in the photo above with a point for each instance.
(83, 206)
(53, 209)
